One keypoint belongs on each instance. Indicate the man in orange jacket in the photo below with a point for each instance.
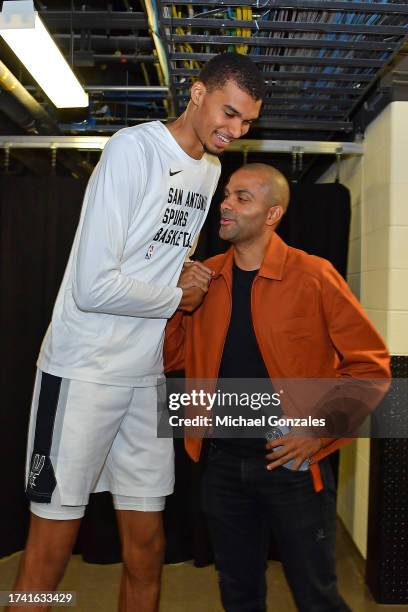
(271, 312)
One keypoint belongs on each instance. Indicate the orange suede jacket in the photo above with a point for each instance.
(307, 323)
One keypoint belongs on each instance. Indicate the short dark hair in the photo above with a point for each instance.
(233, 67)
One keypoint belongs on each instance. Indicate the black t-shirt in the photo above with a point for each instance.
(242, 358)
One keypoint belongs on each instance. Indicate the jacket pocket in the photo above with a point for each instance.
(297, 327)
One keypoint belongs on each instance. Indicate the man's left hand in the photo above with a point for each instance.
(298, 448)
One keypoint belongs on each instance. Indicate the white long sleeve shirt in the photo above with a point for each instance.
(145, 203)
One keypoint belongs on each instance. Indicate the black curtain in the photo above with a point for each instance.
(318, 222)
(38, 222)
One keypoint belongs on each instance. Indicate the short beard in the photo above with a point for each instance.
(208, 150)
(230, 240)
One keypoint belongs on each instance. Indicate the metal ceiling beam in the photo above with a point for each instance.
(95, 20)
(332, 91)
(291, 43)
(305, 101)
(95, 143)
(357, 103)
(290, 60)
(90, 143)
(280, 89)
(301, 146)
(286, 26)
(111, 43)
(103, 58)
(318, 115)
(313, 5)
(302, 113)
(269, 102)
(296, 75)
(153, 89)
(304, 124)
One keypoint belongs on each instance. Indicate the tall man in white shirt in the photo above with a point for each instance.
(93, 420)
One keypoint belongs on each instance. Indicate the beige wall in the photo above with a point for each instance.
(377, 272)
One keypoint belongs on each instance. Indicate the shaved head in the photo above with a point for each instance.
(256, 198)
(276, 187)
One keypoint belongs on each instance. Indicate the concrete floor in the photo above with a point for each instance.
(188, 589)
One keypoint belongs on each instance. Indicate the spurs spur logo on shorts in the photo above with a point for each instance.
(37, 465)
(149, 252)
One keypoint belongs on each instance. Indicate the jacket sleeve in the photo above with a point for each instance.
(174, 342)
(361, 350)
(362, 355)
(114, 194)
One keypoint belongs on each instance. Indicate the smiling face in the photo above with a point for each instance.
(254, 202)
(221, 115)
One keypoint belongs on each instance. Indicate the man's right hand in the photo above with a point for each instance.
(194, 280)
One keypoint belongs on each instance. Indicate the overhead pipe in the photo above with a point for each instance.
(154, 27)
(12, 108)
(43, 122)
(12, 85)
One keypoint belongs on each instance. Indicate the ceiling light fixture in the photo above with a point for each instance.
(24, 32)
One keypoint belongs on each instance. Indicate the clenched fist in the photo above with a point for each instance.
(195, 274)
(194, 280)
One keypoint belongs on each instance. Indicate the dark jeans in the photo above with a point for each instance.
(243, 501)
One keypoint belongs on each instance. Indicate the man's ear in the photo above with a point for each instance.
(275, 214)
(197, 92)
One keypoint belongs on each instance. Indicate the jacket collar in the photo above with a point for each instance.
(272, 265)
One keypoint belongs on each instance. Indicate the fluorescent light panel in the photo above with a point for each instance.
(40, 55)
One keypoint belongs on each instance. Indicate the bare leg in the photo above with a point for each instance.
(45, 557)
(143, 551)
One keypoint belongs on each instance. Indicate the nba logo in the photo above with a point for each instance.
(149, 252)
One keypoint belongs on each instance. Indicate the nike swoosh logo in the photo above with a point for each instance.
(173, 173)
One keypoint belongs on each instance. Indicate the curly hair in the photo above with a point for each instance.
(233, 67)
